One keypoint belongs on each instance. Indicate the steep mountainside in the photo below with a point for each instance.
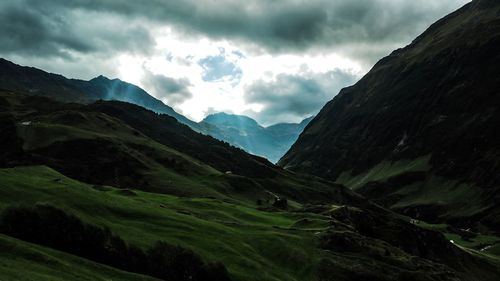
(241, 131)
(419, 133)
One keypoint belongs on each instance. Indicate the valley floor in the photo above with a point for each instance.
(253, 244)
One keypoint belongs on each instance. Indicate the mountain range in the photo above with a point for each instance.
(271, 142)
(241, 131)
(395, 179)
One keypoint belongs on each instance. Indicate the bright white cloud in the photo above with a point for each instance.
(178, 57)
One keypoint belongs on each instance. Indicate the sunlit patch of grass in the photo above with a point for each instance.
(383, 171)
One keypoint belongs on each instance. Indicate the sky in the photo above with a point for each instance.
(273, 60)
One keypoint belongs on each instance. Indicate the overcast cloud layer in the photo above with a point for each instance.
(275, 60)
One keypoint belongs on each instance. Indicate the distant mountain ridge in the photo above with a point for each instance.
(246, 133)
(115, 89)
(226, 119)
(31, 80)
(242, 131)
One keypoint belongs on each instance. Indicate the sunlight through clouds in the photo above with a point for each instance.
(232, 72)
(198, 56)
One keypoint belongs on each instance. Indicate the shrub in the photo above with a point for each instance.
(281, 203)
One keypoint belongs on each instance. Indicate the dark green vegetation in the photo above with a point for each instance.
(124, 145)
(241, 131)
(419, 133)
(52, 227)
(216, 230)
(315, 242)
(25, 261)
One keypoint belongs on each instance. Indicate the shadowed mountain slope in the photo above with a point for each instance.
(125, 145)
(419, 133)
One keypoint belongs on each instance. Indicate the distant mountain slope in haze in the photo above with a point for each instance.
(244, 132)
(232, 120)
(115, 89)
(287, 133)
(34, 81)
(420, 132)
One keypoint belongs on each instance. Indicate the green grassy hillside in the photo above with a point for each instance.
(25, 261)
(123, 145)
(411, 188)
(244, 239)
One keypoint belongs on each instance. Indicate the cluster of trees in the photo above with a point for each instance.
(54, 228)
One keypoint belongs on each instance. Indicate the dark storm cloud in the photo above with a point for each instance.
(363, 27)
(45, 29)
(30, 32)
(295, 96)
(172, 91)
(84, 38)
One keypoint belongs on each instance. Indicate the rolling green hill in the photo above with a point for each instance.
(20, 260)
(253, 244)
(124, 145)
(215, 229)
